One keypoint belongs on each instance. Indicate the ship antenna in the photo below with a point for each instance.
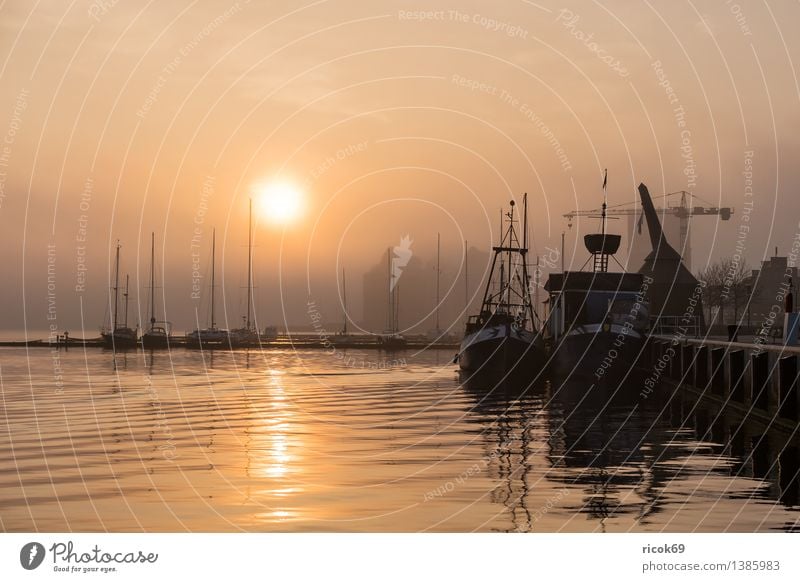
(605, 203)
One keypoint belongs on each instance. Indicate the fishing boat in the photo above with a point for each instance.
(158, 334)
(119, 336)
(247, 335)
(503, 337)
(391, 338)
(211, 336)
(597, 319)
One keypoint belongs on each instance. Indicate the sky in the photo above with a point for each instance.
(389, 119)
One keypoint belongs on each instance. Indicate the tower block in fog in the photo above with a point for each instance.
(675, 295)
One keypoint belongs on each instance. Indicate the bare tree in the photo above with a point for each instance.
(725, 285)
(734, 290)
(713, 278)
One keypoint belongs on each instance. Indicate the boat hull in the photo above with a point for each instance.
(154, 341)
(208, 339)
(598, 354)
(121, 339)
(501, 349)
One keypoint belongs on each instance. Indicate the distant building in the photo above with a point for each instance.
(768, 288)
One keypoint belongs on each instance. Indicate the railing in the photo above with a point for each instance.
(675, 325)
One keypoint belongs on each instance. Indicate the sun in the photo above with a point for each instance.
(279, 202)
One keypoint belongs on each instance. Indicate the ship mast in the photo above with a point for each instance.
(127, 281)
(114, 323)
(510, 297)
(152, 281)
(438, 275)
(213, 252)
(466, 278)
(602, 246)
(249, 263)
(344, 303)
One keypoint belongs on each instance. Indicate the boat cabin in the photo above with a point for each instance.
(581, 298)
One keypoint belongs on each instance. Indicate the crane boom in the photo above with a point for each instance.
(683, 211)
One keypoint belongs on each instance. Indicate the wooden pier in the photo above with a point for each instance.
(755, 379)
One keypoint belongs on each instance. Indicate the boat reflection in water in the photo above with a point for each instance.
(616, 462)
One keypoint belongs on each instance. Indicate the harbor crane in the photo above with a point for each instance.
(683, 210)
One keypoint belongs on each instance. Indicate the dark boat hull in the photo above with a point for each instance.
(155, 342)
(598, 356)
(120, 341)
(500, 350)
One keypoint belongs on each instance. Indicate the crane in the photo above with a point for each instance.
(684, 210)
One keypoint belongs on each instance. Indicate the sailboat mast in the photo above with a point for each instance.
(249, 262)
(466, 278)
(116, 291)
(213, 253)
(438, 275)
(344, 302)
(390, 309)
(152, 280)
(396, 326)
(127, 281)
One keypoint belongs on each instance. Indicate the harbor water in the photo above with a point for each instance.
(363, 441)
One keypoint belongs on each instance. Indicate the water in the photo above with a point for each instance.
(284, 441)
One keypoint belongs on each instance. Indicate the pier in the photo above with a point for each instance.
(285, 341)
(755, 379)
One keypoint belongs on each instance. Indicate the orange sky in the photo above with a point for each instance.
(392, 121)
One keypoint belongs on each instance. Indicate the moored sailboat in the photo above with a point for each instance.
(118, 336)
(158, 334)
(211, 336)
(247, 335)
(391, 338)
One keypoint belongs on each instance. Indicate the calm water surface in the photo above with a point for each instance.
(285, 441)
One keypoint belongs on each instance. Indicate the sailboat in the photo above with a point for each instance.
(247, 335)
(598, 319)
(503, 337)
(438, 334)
(119, 336)
(391, 337)
(158, 334)
(211, 336)
(342, 338)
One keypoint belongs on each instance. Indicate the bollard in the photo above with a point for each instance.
(787, 387)
(687, 364)
(761, 380)
(718, 371)
(736, 379)
(701, 368)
